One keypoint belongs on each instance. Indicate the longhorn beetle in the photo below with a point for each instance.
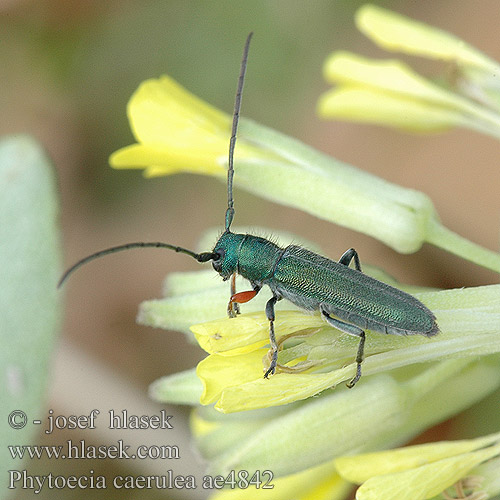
(346, 298)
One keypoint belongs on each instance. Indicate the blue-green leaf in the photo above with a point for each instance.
(29, 299)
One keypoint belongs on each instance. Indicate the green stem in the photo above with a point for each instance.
(480, 118)
(444, 238)
(425, 382)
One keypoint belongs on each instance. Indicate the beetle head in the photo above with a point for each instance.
(227, 250)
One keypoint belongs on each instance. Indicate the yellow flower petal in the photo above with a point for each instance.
(249, 331)
(371, 106)
(388, 76)
(332, 487)
(201, 426)
(426, 481)
(401, 82)
(395, 32)
(162, 111)
(360, 468)
(164, 160)
(217, 373)
(233, 336)
(279, 389)
(176, 131)
(316, 483)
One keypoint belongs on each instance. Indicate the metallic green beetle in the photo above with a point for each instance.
(308, 280)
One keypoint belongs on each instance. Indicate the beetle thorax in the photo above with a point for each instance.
(252, 257)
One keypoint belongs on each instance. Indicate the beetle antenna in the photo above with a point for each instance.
(232, 141)
(200, 257)
(204, 256)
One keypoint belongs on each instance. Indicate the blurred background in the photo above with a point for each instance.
(68, 68)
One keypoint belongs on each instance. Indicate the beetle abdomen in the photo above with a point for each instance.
(310, 281)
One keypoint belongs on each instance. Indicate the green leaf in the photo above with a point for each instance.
(29, 299)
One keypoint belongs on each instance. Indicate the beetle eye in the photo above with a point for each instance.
(217, 262)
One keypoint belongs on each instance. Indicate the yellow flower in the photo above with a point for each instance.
(390, 93)
(387, 92)
(424, 471)
(275, 424)
(176, 131)
(287, 440)
(232, 373)
(317, 483)
(395, 32)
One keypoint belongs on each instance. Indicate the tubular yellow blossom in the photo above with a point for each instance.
(390, 93)
(398, 33)
(232, 373)
(252, 331)
(370, 106)
(245, 334)
(387, 76)
(176, 131)
(316, 483)
(360, 468)
(404, 91)
(319, 483)
(218, 373)
(416, 472)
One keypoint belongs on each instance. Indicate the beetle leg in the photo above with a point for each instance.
(299, 367)
(233, 308)
(347, 256)
(270, 316)
(351, 330)
(241, 298)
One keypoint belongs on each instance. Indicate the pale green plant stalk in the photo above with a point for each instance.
(402, 218)
(283, 170)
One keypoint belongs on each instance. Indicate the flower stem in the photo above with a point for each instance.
(444, 238)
